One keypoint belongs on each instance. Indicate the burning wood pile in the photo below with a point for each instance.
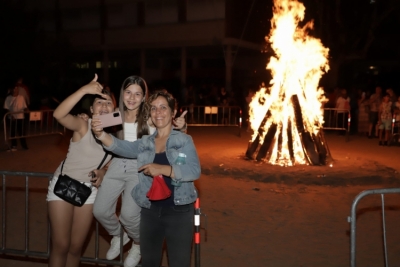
(287, 115)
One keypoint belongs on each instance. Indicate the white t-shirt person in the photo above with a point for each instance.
(15, 103)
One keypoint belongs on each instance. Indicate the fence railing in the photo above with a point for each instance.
(337, 119)
(31, 123)
(9, 228)
(21, 202)
(353, 217)
(213, 116)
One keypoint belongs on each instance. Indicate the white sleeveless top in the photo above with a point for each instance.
(83, 157)
(130, 131)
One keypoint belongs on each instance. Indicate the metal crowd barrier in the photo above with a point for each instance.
(33, 123)
(213, 116)
(26, 253)
(337, 119)
(353, 217)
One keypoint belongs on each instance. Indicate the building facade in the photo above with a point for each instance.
(186, 41)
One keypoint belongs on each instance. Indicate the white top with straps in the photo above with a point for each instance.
(83, 157)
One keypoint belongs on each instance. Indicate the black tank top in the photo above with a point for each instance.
(161, 158)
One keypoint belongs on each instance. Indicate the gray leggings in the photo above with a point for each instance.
(121, 177)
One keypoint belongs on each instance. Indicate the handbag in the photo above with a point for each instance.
(71, 190)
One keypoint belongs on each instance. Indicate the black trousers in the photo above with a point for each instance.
(17, 128)
(174, 224)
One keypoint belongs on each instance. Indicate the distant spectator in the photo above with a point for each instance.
(190, 95)
(397, 110)
(203, 93)
(385, 120)
(225, 111)
(190, 100)
(16, 103)
(223, 96)
(332, 98)
(24, 90)
(374, 103)
(249, 97)
(212, 98)
(363, 110)
(392, 97)
(343, 108)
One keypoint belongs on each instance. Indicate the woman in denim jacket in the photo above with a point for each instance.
(170, 218)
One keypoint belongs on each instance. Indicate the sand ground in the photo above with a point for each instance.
(256, 214)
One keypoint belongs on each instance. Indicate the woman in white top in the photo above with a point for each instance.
(70, 224)
(122, 174)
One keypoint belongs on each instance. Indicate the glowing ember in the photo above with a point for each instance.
(289, 111)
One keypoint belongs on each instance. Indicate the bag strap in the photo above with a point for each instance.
(101, 163)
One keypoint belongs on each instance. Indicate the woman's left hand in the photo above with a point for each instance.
(97, 177)
(152, 169)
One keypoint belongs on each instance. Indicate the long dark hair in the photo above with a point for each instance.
(142, 115)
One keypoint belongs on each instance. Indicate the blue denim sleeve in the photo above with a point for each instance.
(191, 170)
(124, 148)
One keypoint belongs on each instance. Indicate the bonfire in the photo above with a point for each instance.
(287, 115)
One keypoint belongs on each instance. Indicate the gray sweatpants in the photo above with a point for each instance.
(121, 177)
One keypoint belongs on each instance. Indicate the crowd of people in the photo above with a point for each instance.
(373, 115)
(144, 148)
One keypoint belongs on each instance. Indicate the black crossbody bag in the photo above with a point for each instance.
(71, 190)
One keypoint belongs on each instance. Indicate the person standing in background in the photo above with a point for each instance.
(16, 103)
(343, 109)
(385, 120)
(374, 103)
(24, 90)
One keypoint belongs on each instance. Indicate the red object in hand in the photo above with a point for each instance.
(159, 189)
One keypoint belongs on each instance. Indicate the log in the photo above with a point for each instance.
(306, 139)
(254, 146)
(290, 140)
(268, 141)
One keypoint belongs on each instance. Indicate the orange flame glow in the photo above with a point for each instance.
(298, 64)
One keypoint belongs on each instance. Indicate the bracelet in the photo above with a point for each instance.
(170, 172)
(101, 136)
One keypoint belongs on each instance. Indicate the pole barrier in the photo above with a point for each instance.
(197, 214)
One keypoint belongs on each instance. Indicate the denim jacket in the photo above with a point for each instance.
(144, 150)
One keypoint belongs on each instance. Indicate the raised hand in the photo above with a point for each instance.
(180, 121)
(93, 88)
(96, 124)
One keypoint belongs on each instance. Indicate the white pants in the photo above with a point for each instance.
(121, 177)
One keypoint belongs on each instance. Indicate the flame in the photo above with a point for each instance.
(297, 66)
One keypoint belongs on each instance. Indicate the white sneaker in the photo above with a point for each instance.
(114, 249)
(133, 257)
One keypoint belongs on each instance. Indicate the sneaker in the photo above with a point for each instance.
(133, 257)
(13, 149)
(114, 249)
